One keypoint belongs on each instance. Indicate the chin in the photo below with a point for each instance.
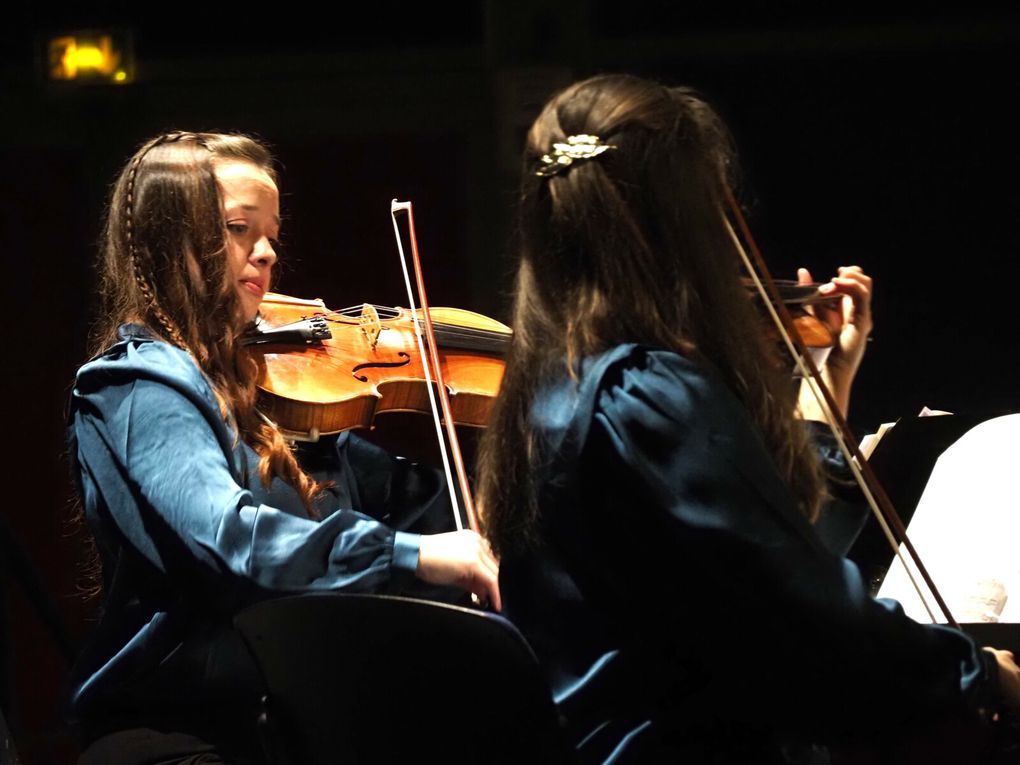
(249, 308)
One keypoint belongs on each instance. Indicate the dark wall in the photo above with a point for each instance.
(883, 141)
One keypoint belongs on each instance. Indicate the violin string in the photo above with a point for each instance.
(450, 333)
(351, 315)
(354, 312)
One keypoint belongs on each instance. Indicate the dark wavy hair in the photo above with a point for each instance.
(163, 264)
(629, 247)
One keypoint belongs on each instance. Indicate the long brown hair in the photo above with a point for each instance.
(163, 264)
(629, 247)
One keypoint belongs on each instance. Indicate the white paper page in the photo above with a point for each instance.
(966, 529)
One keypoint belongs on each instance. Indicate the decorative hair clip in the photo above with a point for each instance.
(565, 154)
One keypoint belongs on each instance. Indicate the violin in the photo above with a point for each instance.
(324, 371)
(815, 335)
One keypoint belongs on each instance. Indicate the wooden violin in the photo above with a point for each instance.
(323, 371)
(814, 334)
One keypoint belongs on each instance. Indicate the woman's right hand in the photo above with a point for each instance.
(461, 559)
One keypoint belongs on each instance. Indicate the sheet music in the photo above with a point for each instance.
(870, 441)
(967, 528)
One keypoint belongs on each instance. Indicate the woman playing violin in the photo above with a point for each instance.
(198, 505)
(647, 485)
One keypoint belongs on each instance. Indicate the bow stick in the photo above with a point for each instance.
(432, 359)
(879, 502)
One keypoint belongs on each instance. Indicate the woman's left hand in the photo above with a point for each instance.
(850, 322)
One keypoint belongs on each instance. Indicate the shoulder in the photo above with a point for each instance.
(140, 357)
(653, 372)
(632, 379)
(630, 388)
(142, 402)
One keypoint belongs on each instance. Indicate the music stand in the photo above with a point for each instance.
(904, 462)
(371, 678)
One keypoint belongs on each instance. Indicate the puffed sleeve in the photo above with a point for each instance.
(157, 461)
(711, 554)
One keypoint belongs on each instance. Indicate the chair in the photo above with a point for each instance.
(370, 679)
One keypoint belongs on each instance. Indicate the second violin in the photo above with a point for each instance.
(814, 333)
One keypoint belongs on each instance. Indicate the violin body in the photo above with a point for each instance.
(815, 335)
(367, 362)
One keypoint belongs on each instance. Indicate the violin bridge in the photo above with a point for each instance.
(371, 326)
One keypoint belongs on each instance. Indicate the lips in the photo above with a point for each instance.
(254, 286)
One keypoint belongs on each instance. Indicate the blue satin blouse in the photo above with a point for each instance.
(683, 609)
(188, 535)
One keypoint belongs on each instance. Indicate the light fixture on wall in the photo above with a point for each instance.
(92, 56)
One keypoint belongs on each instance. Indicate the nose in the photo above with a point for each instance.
(263, 253)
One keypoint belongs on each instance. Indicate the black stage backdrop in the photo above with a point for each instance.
(885, 140)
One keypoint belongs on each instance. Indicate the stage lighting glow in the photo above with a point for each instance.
(90, 57)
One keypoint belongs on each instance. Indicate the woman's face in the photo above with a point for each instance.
(251, 213)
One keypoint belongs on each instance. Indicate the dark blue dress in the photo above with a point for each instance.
(188, 535)
(683, 609)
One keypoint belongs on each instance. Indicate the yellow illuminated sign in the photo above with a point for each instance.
(89, 57)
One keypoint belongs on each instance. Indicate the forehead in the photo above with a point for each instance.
(246, 184)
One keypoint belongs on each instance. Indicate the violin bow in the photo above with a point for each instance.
(879, 502)
(432, 359)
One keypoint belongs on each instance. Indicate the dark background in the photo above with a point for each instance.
(884, 139)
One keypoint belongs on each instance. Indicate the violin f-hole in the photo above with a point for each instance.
(380, 365)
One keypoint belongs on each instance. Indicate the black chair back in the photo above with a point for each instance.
(376, 679)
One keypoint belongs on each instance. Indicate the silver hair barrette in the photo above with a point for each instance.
(565, 154)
